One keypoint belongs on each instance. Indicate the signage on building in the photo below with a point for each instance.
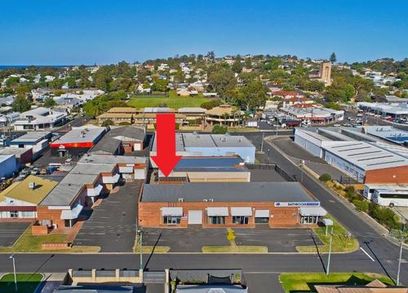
(280, 204)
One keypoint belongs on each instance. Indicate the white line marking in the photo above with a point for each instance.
(366, 253)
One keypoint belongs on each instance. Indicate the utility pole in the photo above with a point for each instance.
(402, 238)
(330, 251)
(14, 271)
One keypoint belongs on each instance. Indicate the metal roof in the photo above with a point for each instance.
(32, 137)
(228, 192)
(81, 134)
(366, 156)
(210, 164)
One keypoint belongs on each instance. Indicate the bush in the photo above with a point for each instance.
(219, 129)
(107, 123)
(361, 205)
(211, 104)
(325, 177)
(384, 216)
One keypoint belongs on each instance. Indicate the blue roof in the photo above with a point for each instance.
(212, 164)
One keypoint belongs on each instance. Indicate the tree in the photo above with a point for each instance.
(333, 58)
(49, 102)
(251, 96)
(21, 104)
(211, 104)
(222, 81)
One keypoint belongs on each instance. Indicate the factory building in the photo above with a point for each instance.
(208, 145)
(211, 205)
(364, 160)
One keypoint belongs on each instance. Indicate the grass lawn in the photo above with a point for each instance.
(341, 242)
(26, 283)
(172, 101)
(152, 249)
(234, 249)
(29, 243)
(303, 282)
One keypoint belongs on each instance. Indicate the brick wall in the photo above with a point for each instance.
(389, 175)
(150, 214)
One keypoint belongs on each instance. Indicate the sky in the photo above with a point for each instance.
(61, 32)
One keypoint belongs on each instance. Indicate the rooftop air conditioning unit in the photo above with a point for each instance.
(180, 199)
(205, 200)
(211, 200)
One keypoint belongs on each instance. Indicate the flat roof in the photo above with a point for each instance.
(227, 192)
(22, 191)
(31, 137)
(366, 156)
(210, 164)
(81, 134)
(195, 140)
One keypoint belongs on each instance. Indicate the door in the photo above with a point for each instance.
(195, 217)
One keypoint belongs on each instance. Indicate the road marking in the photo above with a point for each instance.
(366, 253)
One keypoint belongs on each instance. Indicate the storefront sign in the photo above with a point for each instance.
(280, 204)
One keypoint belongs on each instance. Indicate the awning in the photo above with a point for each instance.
(241, 211)
(313, 211)
(175, 211)
(126, 169)
(111, 179)
(95, 191)
(71, 214)
(262, 214)
(214, 212)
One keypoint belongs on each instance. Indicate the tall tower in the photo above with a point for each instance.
(325, 73)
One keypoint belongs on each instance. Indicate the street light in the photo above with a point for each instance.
(14, 271)
(402, 238)
(140, 238)
(330, 251)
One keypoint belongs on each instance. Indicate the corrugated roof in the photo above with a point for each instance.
(22, 191)
(228, 192)
(365, 155)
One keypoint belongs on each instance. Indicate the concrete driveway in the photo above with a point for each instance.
(112, 225)
(10, 232)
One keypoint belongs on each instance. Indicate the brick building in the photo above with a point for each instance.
(244, 204)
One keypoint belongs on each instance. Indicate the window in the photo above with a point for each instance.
(13, 214)
(171, 220)
(216, 220)
(262, 220)
(240, 220)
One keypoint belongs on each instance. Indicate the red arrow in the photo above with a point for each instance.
(166, 158)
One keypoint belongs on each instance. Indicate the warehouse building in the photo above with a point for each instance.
(364, 160)
(19, 201)
(208, 169)
(37, 141)
(388, 133)
(276, 204)
(93, 176)
(314, 115)
(120, 140)
(23, 156)
(77, 141)
(8, 166)
(207, 145)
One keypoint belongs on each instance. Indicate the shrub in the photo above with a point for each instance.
(219, 129)
(361, 205)
(107, 123)
(325, 177)
(211, 104)
(384, 216)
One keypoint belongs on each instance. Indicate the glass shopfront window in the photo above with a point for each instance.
(216, 220)
(240, 220)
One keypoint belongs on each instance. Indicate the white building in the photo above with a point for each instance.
(39, 118)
